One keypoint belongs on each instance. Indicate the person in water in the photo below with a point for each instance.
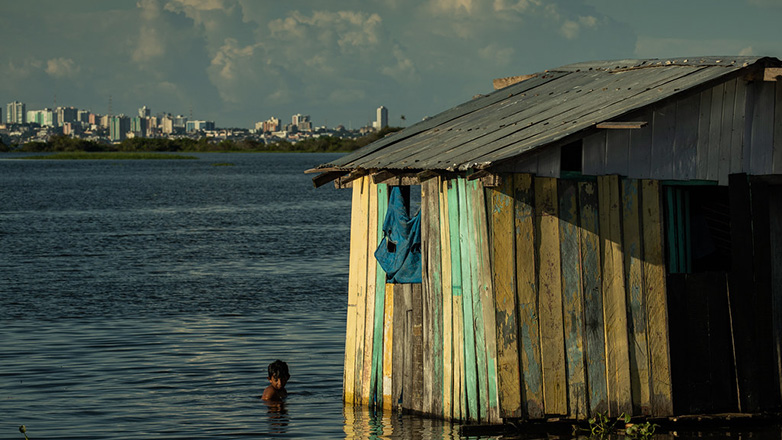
(278, 377)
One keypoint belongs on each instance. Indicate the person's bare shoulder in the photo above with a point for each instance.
(270, 394)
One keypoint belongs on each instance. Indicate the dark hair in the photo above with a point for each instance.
(279, 369)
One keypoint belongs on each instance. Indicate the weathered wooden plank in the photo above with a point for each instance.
(737, 129)
(527, 297)
(614, 303)
(593, 298)
(435, 327)
(486, 292)
(641, 148)
(380, 290)
(402, 346)
(741, 294)
(726, 132)
(371, 292)
(633, 262)
(704, 118)
(388, 348)
(715, 131)
(762, 129)
(361, 297)
(663, 135)
(777, 153)
(427, 206)
(358, 247)
(685, 149)
(775, 232)
(504, 269)
(594, 152)
(552, 344)
(617, 151)
(470, 357)
(459, 395)
(417, 387)
(572, 299)
(447, 306)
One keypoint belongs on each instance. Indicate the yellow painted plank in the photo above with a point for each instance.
(448, 332)
(656, 300)
(358, 234)
(503, 249)
(527, 297)
(361, 288)
(614, 301)
(388, 344)
(552, 343)
(633, 263)
(371, 280)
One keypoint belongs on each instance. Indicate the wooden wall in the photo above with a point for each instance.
(734, 127)
(541, 298)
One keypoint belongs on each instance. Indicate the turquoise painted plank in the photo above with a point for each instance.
(470, 358)
(376, 395)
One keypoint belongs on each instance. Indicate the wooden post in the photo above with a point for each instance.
(459, 397)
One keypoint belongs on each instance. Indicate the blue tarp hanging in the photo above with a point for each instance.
(399, 253)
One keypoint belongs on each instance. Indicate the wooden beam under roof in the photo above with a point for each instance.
(324, 178)
(772, 74)
(616, 125)
(501, 83)
(324, 170)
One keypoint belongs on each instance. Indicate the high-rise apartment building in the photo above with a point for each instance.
(382, 118)
(119, 127)
(144, 112)
(66, 114)
(302, 122)
(271, 125)
(16, 113)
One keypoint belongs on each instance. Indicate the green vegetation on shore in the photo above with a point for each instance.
(324, 144)
(110, 155)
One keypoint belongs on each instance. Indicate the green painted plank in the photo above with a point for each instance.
(572, 299)
(593, 299)
(470, 356)
(480, 213)
(380, 298)
(527, 297)
(449, 328)
(504, 270)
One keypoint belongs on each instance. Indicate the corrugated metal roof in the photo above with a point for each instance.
(537, 112)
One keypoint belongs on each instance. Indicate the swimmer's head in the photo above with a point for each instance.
(279, 369)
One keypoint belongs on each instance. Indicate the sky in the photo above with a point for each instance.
(237, 62)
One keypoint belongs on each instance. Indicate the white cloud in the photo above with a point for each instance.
(497, 54)
(62, 67)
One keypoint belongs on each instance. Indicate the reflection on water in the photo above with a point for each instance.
(365, 423)
(278, 417)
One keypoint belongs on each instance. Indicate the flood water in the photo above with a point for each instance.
(144, 299)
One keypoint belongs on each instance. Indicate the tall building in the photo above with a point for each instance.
(167, 124)
(83, 116)
(119, 127)
(66, 114)
(271, 125)
(144, 112)
(16, 113)
(200, 126)
(382, 118)
(302, 122)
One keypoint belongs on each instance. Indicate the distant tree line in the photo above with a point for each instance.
(323, 144)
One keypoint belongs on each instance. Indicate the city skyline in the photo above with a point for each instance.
(238, 62)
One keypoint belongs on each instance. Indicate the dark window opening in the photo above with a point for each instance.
(570, 159)
(697, 229)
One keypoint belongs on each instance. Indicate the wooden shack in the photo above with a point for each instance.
(603, 237)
